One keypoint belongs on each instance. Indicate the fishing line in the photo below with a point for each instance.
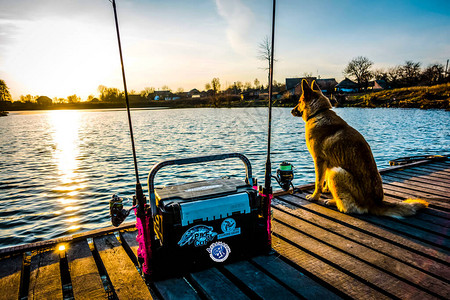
(139, 192)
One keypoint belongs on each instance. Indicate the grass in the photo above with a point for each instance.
(437, 96)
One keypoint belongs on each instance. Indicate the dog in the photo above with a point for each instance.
(344, 161)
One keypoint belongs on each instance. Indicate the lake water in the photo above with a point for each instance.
(58, 169)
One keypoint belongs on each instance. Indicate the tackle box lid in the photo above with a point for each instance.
(201, 189)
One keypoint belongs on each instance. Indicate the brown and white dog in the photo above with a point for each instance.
(344, 160)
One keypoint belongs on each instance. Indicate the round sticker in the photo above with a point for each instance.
(219, 251)
(228, 225)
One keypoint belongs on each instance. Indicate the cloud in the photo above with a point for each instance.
(239, 19)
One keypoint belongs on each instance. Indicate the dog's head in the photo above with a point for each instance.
(311, 101)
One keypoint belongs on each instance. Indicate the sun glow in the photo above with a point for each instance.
(65, 135)
(61, 60)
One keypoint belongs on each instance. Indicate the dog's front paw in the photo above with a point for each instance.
(313, 197)
(330, 202)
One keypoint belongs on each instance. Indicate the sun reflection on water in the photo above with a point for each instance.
(65, 135)
(65, 126)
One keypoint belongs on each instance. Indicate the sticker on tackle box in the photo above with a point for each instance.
(219, 251)
(228, 228)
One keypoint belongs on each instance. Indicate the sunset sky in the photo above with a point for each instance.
(59, 47)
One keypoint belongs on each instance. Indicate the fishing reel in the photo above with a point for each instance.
(116, 211)
(285, 175)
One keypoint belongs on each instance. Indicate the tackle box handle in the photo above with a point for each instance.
(193, 160)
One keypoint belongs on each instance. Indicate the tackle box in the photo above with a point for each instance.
(208, 222)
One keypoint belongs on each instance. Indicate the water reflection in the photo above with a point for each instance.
(65, 127)
(65, 135)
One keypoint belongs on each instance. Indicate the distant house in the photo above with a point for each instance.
(163, 95)
(265, 95)
(44, 100)
(250, 94)
(183, 95)
(194, 93)
(378, 85)
(294, 86)
(327, 85)
(347, 86)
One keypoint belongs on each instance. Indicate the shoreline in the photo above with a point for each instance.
(422, 97)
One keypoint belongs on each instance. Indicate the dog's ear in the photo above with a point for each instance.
(306, 90)
(315, 86)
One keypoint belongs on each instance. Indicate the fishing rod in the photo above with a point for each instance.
(267, 190)
(139, 193)
(268, 169)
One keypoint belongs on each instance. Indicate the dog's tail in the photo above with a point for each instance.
(407, 208)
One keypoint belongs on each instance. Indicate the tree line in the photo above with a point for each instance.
(359, 69)
(406, 75)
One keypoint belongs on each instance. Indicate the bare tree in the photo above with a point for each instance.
(147, 91)
(265, 54)
(73, 99)
(359, 68)
(411, 72)
(215, 85)
(433, 74)
(257, 83)
(380, 74)
(394, 76)
(166, 88)
(180, 90)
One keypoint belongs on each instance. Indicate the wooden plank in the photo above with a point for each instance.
(258, 282)
(391, 285)
(130, 238)
(410, 226)
(440, 165)
(10, 270)
(368, 228)
(436, 173)
(127, 282)
(434, 201)
(415, 181)
(342, 281)
(436, 170)
(296, 280)
(425, 173)
(404, 175)
(53, 242)
(418, 222)
(216, 286)
(175, 288)
(378, 244)
(432, 218)
(45, 277)
(405, 229)
(371, 257)
(437, 215)
(423, 176)
(429, 188)
(171, 289)
(410, 193)
(86, 281)
(443, 164)
(418, 189)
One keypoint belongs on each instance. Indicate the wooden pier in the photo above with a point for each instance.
(319, 253)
